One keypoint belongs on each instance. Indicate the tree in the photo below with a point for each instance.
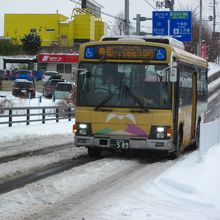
(118, 26)
(31, 43)
(213, 44)
(8, 48)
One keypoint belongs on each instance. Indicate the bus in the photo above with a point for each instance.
(159, 100)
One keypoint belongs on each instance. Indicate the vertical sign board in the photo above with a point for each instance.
(177, 24)
(203, 50)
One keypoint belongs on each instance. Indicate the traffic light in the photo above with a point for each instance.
(167, 3)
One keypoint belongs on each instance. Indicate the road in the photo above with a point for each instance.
(79, 189)
(85, 204)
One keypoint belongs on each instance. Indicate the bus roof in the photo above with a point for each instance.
(156, 39)
(190, 58)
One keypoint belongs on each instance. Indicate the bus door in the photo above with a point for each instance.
(186, 103)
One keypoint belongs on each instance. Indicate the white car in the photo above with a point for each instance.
(50, 75)
(63, 90)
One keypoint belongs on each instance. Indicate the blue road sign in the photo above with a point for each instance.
(177, 24)
(181, 25)
(160, 22)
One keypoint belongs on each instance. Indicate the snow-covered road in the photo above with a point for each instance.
(116, 187)
(113, 188)
(77, 189)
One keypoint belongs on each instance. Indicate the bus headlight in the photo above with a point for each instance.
(160, 132)
(83, 128)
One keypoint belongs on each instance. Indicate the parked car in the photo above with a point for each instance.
(63, 90)
(24, 74)
(48, 75)
(5, 74)
(2, 74)
(23, 87)
(49, 87)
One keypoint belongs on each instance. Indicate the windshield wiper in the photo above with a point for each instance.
(136, 98)
(106, 99)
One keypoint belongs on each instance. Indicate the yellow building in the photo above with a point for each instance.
(54, 28)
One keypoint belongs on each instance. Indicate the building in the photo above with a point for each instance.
(62, 63)
(55, 29)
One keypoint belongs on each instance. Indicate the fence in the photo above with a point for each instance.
(42, 114)
(209, 136)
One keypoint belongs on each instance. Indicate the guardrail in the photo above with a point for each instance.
(35, 114)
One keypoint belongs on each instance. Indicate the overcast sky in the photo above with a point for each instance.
(113, 7)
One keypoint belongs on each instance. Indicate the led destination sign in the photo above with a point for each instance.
(125, 52)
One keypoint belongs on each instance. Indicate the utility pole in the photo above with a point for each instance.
(127, 17)
(138, 19)
(200, 28)
(214, 15)
(83, 3)
(138, 24)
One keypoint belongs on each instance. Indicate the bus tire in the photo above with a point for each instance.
(94, 152)
(176, 153)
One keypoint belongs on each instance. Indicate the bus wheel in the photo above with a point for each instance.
(94, 152)
(175, 154)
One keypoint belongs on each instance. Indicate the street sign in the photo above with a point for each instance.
(160, 23)
(181, 25)
(177, 24)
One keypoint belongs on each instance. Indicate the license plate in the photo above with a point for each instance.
(119, 143)
(23, 90)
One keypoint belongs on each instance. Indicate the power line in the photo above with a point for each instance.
(150, 4)
(112, 16)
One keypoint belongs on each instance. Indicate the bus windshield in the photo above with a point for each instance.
(124, 85)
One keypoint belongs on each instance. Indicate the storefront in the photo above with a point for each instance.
(62, 63)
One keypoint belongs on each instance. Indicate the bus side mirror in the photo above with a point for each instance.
(173, 72)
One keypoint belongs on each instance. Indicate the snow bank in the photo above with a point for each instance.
(193, 181)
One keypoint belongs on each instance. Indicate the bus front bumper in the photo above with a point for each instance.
(134, 143)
